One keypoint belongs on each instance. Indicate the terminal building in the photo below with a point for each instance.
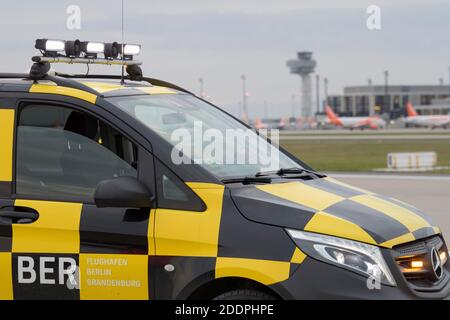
(391, 100)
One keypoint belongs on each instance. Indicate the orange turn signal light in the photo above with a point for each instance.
(417, 264)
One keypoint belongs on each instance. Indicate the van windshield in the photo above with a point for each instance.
(206, 135)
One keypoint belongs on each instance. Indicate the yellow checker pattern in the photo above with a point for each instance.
(104, 87)
(113, 277)
(151, 233)
(263, 271)
(298, 257)
(156, 90)
(332, 180)
(56, 230)
(409, 219)
(6, 287)
(185, 233)
(6, 145)
(303, 194)
(64, 91)
(399, 240)
(325, 223)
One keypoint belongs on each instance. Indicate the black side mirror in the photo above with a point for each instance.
(122, 192)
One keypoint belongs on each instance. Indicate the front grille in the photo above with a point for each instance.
(419, 247)
(421, 279)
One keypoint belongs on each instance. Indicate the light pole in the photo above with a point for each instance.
(318, 93)
(449, 81)
(371, 98)
(325, 90)
(386, 92)
(201, 83)
(244, 95)
(266, 114)
(293, 106)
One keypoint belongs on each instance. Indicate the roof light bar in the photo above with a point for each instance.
(112, 50)
(54, 45)
(87, 49)
(73, 48)
(131, 50)
(86, 61)
(92, 49)
(50, 47)
(85, 52)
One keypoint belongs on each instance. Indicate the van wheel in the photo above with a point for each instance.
(245, 295)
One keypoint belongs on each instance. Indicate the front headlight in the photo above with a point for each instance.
(356, 256)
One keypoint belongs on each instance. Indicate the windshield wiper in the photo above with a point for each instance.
(290, 171)
(266, 177)
(284, 171)
(248, 180)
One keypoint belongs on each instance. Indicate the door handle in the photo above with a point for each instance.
(23, 216)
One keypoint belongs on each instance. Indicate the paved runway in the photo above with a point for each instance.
(366, 137)
(428, 193)
(386, 134)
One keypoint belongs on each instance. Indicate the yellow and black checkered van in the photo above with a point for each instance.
(93, 206)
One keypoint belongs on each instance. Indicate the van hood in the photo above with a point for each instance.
(331, 207)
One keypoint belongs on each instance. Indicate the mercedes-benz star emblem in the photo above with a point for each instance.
(436, 264)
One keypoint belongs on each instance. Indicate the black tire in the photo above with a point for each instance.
(245, 294)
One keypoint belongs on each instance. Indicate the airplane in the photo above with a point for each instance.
(258, 124)
(413, 119)
(374, 122)
(283, 124)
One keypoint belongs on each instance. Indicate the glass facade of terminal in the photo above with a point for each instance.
(366, 100)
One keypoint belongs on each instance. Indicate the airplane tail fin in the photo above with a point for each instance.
(410, 110)
(330, 113)
(258, 124)
(334, 119)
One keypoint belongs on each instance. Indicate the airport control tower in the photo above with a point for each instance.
(304, 65)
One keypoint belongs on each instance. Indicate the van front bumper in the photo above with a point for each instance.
(315, 280)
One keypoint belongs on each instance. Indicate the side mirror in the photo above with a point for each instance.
(122, 192)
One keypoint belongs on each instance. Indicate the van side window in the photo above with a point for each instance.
(65, 153)
(174, 193)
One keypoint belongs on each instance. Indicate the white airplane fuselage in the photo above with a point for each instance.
(362, 122)
(428, 121)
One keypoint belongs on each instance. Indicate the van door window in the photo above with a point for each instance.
(174, 193)
(65, 153)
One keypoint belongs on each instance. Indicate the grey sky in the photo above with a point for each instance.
(220, 40)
